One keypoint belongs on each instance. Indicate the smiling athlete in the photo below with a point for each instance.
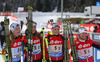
(84, 46)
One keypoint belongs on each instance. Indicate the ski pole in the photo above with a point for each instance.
(43, 60)
(46, 40)
(22, 51)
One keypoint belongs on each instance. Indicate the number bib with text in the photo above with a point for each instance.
(16, 53)
(36, 49)
(85, 53)
(55, 50)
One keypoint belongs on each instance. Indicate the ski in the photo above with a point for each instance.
(66, 49)
(6, 27)
(64, 32)
(72, 42)
(30, 35)
(74, 46)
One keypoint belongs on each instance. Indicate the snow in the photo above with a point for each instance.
(45, 16)
(42, 18)
(55, 10)
(1, 18)
(1, 59)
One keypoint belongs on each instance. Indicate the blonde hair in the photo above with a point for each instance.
(11, 37)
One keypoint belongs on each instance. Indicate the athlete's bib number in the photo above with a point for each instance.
(36, 48)
(55, 48)
(16, 52)
(85, 52)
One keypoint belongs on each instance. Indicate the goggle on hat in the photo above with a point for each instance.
(55, 25)
(82, 29)
(34, 23)
(13, 26)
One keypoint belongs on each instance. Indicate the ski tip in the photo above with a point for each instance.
(30, 8)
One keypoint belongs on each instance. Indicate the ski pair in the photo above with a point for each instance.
(72, 42)
(30, 35)
(66, 49)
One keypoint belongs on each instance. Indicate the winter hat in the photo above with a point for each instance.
(34, 23)
(55, 25)
(13, 26)
(82, 29)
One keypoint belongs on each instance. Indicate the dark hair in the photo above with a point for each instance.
(36, 35)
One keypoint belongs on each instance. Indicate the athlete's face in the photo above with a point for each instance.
(17, 31)
(83, 36)
(34, 29)
(55, 31)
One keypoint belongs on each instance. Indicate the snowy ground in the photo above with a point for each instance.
(1, 59)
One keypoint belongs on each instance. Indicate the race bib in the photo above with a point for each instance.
(85, 53)
(55, 50)
(16, 53)
(36, 49)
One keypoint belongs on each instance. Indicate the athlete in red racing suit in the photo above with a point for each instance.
(84, 46)
(37, 46)
(56, 45)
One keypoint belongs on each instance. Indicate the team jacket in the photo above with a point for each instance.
(37, 47)
(84, 49)
(56, 43)
(16, 47)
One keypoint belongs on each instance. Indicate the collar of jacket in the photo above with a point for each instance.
(35, 33)
(15, 36)
(56, 35)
